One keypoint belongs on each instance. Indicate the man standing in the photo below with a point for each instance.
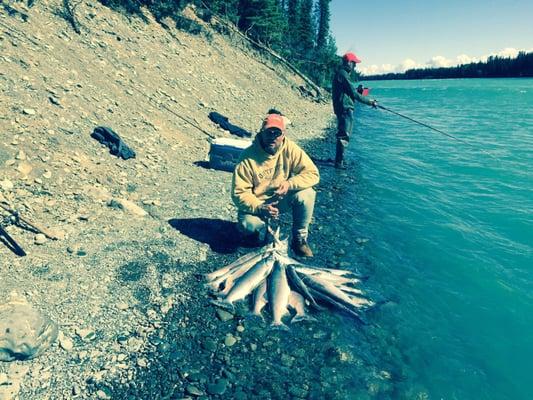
(275, 175)
(344, 97)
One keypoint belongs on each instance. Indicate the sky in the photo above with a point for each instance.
(392, 36)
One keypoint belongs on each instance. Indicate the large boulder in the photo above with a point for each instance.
(25, 332)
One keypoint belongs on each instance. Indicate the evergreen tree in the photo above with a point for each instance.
(306, 30)
(226, 8)
(263, 21)
(293, 11)
(323, 17)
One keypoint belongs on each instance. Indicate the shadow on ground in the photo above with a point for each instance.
(221, 236)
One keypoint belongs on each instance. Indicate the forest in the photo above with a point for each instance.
(494, 67)
(297, 30)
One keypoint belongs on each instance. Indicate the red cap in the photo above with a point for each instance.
(274, 121)
(351, 57)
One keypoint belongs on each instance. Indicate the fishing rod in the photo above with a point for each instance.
(430, 127)
(420, 123)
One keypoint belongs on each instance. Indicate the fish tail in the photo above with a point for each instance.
(300, 318)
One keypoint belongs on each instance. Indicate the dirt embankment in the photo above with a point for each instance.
(102, 282)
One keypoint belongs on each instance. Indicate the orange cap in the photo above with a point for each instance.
(351, 57)
(274, 121)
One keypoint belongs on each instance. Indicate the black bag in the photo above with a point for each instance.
(109, 138)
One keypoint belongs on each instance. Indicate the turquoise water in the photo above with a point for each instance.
(451, 232)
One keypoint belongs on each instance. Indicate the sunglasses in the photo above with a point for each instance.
(274, 132)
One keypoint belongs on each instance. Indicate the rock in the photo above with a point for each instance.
(24, 168)
(25, 333)
(102, 395)
(217, 388)
(209, 345)
(86, 334)
(127, 205)
(191, 389)
(76, 390)
(224, 315)
(122, 306)
(40, 239)
(230, 340)
(76, 249)
(240, 328)
(65, 342)
(6, 185)
(299, 392)
(21, 156)
(142, 362)
(239, 395)
(47, 174)
(28, 111)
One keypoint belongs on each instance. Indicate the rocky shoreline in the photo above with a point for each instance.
(123, 283)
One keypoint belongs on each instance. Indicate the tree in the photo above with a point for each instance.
(293, 29)
(226, 8)
(322, 16)
(306, 30)
(262, 20)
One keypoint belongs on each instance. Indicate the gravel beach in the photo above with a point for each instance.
(123, 282)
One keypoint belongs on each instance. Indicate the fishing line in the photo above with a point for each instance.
(435, 129)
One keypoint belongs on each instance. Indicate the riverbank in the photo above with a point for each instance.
(117, 276)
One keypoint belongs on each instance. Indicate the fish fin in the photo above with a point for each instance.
(280, 326)
(316, 306)
(300, 318)
(211, 287)
(224, 305)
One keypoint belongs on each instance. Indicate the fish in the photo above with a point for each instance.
(327, 299)
(350, 289)
(317, 270)
(230, 281)
(297, 303)
(334, 292)
(250, 280)
(286, 285)
(278, 294)
(260, 299)
(335, 279)
(298, 285)
(235, 264)
(227, 276)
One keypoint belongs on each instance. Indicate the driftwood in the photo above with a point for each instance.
(32, 225)
(69, 13)
(319, 96)
(13, 246)
(187, 120)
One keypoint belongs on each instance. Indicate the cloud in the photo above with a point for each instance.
(436, 62)
(439, 61)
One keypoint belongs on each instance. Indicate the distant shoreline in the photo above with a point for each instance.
(364, 78)
(495, 67)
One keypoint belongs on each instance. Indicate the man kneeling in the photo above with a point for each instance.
(275, 175)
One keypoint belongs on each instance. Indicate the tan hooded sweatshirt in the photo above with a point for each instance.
(258, 174)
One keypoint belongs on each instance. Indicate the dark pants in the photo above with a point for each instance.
(344, 129)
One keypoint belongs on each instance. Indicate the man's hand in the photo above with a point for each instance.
(374, 104)
(282, 189)
(269, 210)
